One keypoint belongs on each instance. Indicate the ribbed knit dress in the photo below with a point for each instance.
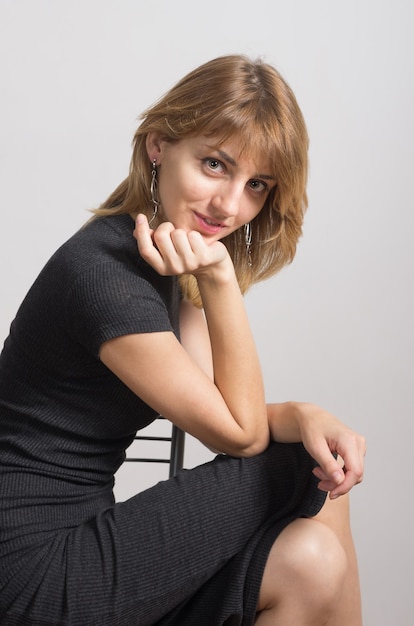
(189, 551)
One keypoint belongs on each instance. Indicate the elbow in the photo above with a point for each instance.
(254, 449)
(255, 446)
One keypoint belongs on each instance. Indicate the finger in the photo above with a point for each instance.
(350, 481)
(207, 253)
(186, 252)
(337, 487)
(135, 229)
(351, 478)
(330, 468)
(144, 237)
(183, 244)
(329, 482)
(326, 484)
(319, 473)
(353, 464)
(175, 249)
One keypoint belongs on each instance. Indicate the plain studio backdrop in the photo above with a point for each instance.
(336, 327)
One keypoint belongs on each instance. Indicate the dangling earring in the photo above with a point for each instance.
(154, 190)
(248, 241)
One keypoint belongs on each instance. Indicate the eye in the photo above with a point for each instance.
(258, 185)
(213, 164)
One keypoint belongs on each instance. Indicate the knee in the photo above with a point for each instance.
(317, 560)
(307, 563)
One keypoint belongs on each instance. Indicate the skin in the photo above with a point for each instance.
(209, 181)
(208, 191)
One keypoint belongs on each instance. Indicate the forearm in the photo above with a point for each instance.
(291, 422)
(237, 371)
(283, 419)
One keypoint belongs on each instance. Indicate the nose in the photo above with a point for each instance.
(228, 198)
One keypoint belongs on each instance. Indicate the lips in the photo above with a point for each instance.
(208, 225)
(211, 223)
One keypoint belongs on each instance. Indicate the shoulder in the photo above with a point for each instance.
(104, 249)
(98, 271)
(98, 241)
(102, 262)
(96, 286)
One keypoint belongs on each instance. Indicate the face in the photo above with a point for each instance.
(206, 187)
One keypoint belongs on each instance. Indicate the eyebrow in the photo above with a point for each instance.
(229, 159)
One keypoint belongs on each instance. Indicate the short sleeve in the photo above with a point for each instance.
(110, 300)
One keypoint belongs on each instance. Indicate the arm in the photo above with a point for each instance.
(291, 422)
(228, 414)
(195, 338)
(323, 435)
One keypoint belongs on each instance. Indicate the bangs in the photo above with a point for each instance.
(253, 139)
(247, 103)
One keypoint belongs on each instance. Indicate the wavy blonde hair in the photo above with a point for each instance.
(232, 97)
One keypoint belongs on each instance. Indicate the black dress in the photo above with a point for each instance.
(189, 551)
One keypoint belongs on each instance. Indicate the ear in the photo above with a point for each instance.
(153, 144)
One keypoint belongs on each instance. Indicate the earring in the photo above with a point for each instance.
(154, 191)
(248, 241)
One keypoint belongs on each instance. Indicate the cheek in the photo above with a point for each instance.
(182, 185)
(249, 210)
(196, 191)
(192, 189)
(175, 184)
(169, 190)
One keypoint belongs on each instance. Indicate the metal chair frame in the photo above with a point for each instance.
(176, 456)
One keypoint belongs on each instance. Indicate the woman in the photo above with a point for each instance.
(110, 336)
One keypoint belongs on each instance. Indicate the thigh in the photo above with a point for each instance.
(136, 561)
(167, 542)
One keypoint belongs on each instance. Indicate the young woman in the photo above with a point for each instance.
(141, 313)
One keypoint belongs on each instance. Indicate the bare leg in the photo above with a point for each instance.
(303, 577)
(311, 576)
(335, 514)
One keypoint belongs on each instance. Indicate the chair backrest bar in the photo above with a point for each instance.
(176, 450)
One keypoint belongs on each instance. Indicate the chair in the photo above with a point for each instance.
(175, 457)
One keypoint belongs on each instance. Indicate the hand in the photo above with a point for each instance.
(172, 251)
(323, 435)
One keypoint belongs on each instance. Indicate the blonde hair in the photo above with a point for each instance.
(232, 97)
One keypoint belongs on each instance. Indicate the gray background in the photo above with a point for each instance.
(334, 328)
